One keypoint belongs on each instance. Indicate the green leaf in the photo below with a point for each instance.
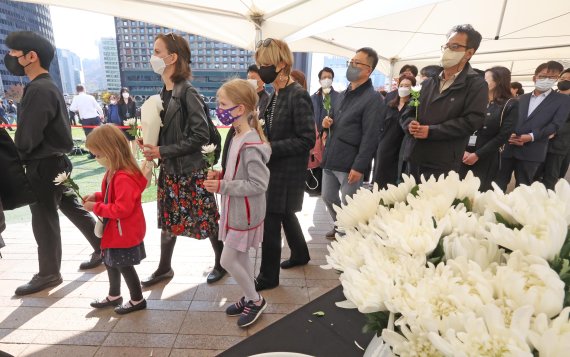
(438, 254)
(507, 224)
(466, 202)
(376, 321)
(565, 250)
(319, 313)
(414, 191)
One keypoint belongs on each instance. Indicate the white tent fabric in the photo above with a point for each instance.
(518, 34)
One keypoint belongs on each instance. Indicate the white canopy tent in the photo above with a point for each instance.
(518, 34)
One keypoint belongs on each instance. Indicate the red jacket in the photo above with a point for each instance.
(126, 225)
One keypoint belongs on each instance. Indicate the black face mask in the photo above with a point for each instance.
(12, 65)
(563, 85)
(268, 74)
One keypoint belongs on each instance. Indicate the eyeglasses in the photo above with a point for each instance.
(354, 63)
(453, 47)
(265, 43)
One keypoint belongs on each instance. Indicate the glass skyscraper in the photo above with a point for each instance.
(19, 16)
(212, 62)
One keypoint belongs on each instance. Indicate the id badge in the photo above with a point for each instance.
(472, 140)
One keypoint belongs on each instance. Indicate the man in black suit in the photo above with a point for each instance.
(452, 107)
(541, 114)
(556, 162)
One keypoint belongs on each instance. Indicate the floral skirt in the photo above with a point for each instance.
(185, 208)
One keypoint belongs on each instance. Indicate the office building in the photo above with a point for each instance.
(212, 62)
(110, 63)
(70, 70)
(19, 16)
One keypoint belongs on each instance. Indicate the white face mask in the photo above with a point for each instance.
(326, 83)
(157, 64)
(543, 85)
(253, 83)
(451, 58)
(125, 95)
(403, 91)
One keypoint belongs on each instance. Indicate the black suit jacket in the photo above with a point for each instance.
(544, 121)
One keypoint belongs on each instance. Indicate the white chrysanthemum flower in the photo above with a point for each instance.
(207, 149)
(394, 194)
(551, 338)
(410, 231)
(562, 192)
(481, 251)
(61, 178)
(261, 122)
(346, 252)
(358, 209)
(529, 280)
(130, 122)
(412, 342)
(487, 335)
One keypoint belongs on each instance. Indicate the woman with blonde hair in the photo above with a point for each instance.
(290, 130)
(243, 185)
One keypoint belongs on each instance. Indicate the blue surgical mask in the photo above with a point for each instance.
(226, 116)
(353, 73)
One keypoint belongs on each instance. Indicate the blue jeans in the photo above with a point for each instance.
(333, 183)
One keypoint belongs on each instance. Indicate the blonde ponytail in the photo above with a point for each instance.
(253, 120)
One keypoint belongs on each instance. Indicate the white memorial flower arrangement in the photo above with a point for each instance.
(441, 269)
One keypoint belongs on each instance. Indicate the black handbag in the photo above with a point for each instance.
(15, 189)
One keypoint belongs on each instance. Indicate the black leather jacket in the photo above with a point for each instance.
(184, 131)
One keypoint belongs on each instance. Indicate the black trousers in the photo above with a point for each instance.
(131, 278)
(418, 170)
(525, 172)
(45, 218)
(90, 122)
(555, 167)
(271, 246)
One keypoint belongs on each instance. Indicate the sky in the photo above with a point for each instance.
(79, 31)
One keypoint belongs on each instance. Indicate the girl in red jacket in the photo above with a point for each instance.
(119, 206)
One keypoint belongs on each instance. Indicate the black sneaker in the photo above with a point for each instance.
(251, 313)
(237, 308)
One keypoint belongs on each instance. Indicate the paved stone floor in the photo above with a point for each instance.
(185, 317)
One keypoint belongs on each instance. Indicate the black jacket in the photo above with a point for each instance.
(292, 136)
(493, 134)
(452, 117)
(129, 108)
(319, 110)
(560, 144)
(43, 124)
(183, 132)
(353, 138)
(545, 120)
(388, 152)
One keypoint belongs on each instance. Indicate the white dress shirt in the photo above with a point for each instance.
(86, 105)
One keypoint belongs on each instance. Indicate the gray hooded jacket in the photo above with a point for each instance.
(247, 187)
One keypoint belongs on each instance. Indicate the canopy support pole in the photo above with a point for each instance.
(501, 20)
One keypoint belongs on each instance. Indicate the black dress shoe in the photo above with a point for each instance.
(263, 285)
(286, 264)
(129, 307)
(331, 234)
(39, 283)
(93, 262)
(98, 304)
(154, 278)
(215, 275)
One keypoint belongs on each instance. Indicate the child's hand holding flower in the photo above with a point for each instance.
(213, 175)
(88, 205)
(212, 185)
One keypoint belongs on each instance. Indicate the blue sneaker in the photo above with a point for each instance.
(251, 313)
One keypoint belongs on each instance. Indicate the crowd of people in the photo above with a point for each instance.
(463, 119)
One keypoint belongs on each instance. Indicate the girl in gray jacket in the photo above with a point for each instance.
(243, 186)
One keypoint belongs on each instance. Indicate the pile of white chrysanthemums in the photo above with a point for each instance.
(460, 273)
